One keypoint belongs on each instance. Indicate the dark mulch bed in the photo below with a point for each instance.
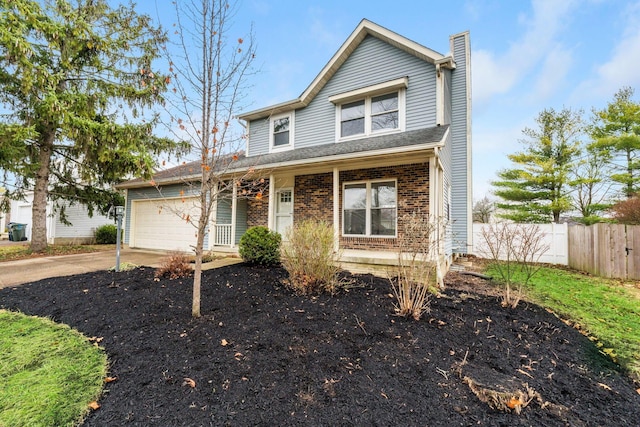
(261, 355)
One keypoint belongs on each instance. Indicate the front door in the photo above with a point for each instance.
(284, 210)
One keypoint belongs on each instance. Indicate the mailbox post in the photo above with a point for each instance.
(119, 215)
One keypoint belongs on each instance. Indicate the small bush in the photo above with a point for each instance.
(259, 245)
(308, 256)
(514, 249)
(175, 266)
(106, 234)
(417, 263)
(206, 257)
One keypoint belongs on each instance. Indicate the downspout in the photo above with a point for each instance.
(435, 210)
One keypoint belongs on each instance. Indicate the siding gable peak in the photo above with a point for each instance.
(365, 28)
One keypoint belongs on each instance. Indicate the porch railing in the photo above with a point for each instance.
(222, 235)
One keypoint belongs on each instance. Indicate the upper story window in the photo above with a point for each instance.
(371, 110)
(372, 114)
(281, 132)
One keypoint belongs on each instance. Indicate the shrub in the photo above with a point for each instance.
(418, 254)
(308, 256)
(175, 266)
(106, 234)
(627, 211)
(515, 249)
(206, 257)
(261, 246)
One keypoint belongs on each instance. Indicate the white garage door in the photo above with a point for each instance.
(162, 224)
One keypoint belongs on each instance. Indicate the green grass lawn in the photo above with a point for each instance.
(49, 373)
(22, 251)
(605, 309)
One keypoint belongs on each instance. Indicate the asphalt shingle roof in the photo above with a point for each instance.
(324, 152)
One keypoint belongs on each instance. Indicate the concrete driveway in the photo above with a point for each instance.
(14, 273)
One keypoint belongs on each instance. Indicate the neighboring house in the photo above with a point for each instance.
(383, 130)
(81, 231)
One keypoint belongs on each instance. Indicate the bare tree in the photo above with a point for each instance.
(483, 209)
(515, 249)
(591, 184)
(209, 68)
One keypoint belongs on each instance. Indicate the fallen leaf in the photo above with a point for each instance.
(94, 405)
(514, 402)
(188, 381)
(604, 386)
(110, 379)
(224, 342)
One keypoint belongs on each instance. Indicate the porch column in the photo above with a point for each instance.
(272, 201)
(336, 209)
(213, 230)
(234, 211)
(433, 188)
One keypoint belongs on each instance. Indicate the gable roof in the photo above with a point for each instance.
(364, 29)
(417, 140)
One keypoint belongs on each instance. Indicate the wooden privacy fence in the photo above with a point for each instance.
(606, 250)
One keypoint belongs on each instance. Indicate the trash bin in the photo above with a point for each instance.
(17, 232)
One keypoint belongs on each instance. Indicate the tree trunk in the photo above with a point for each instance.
(197, 280)
(197, 270)
(40, 194)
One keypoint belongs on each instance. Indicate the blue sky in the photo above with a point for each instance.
(526, 55)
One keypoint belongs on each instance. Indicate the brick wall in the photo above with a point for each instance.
(258, 209)
(412, 191)
(313, 197)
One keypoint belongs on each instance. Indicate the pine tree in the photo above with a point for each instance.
(617, 129)
(76, 82)
(536, 189)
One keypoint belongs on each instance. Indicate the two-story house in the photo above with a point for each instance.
(384, 129)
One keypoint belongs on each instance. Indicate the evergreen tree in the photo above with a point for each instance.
(536, 189)
(76, 83)
(617, 129)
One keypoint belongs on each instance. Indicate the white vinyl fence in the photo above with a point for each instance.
(555, 235)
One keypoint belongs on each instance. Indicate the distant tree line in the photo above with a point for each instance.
(568, 166)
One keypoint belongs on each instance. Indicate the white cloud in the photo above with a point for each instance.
(552, 74)
(498, 73)
(325, 36)
(621, 69)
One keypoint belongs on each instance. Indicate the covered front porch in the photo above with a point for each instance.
(318, 192)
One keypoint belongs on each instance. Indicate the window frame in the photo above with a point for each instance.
(369, 209)
(275, 148)
(398, 86)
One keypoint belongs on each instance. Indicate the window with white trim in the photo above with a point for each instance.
(371, 110)
(370, 208)
(281, 132)
(370, 115)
